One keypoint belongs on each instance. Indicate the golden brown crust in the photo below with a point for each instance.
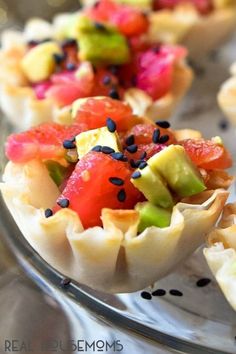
(114, 258)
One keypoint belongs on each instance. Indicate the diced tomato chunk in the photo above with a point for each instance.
(207, 154)
(43, 142)
(90, 189)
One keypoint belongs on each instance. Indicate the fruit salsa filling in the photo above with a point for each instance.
(100, 51)
(107, 160)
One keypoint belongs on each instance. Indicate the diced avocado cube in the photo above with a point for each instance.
(104, 47)
(141, 4)
(56, 171)
(177, 169)
(39, 63)
(151, 215)
(152, 185)
(101, 136)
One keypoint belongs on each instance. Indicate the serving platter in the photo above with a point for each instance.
(187, 313)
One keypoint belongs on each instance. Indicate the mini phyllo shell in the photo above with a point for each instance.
(114, 203)
(47, 66)
(227, 96)
(221, 253)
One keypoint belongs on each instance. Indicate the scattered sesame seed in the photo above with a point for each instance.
(136, 174)
(133, 164)
(163, 124)
(33, 42)
(130, 140)
(97, 148)
(145, 295)
(223, 124)
(156, 136)
(113, 69)
(121, 196)
(63, 203)
(142, 165)
(106, 80)
(156, 49)
(132, 148)
(175, 292)
(159, 292)
(143, 155)
(65, 282)
(58, 58)
(48, 213)
(69, 144)
(69, 42)
(111, 125)
(118, 156)
(203, 282)
(116, 181)
(99, 26)
(70, 67)
(163, 139)
(113, 93)
(107, 150)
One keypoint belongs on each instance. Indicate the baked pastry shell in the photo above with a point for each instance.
(114, 258)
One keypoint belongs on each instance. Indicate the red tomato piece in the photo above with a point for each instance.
(44, 142)
(95, 111)
(207, 154)
(89, 188)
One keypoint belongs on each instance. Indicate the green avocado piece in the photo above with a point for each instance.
(56, 171)
(152, 215)
(103, 46)
(152, 185)
(177, 169)
(142, 4)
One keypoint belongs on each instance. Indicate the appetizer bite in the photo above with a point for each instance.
(99, 51)
(200, 25)
(221, 253)
(114, 201)
(227, 96)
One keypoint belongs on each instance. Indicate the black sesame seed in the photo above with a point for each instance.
(107, 150)
(97, 148)
(156, 136)
(130, 140)
(48, 213)
(116, 181)
(113, 69)
(99, 26)
(145, 295)
(111, 125)
(63, 203)
(132, 148)
(156, 49)
(106, 80)
(203, 282)
(223, 124)
(142, 165)
(163, 124)
(163, 139)
(33, 42)
(175, 292)
(118, 156)
(159, 292)
(121, 195)
(143, 155)
(136, 174)
(58, 58)
(69, 144)
(65, 282)
(69, 43)
(134, 164)
(113, 93)
(70, 67)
